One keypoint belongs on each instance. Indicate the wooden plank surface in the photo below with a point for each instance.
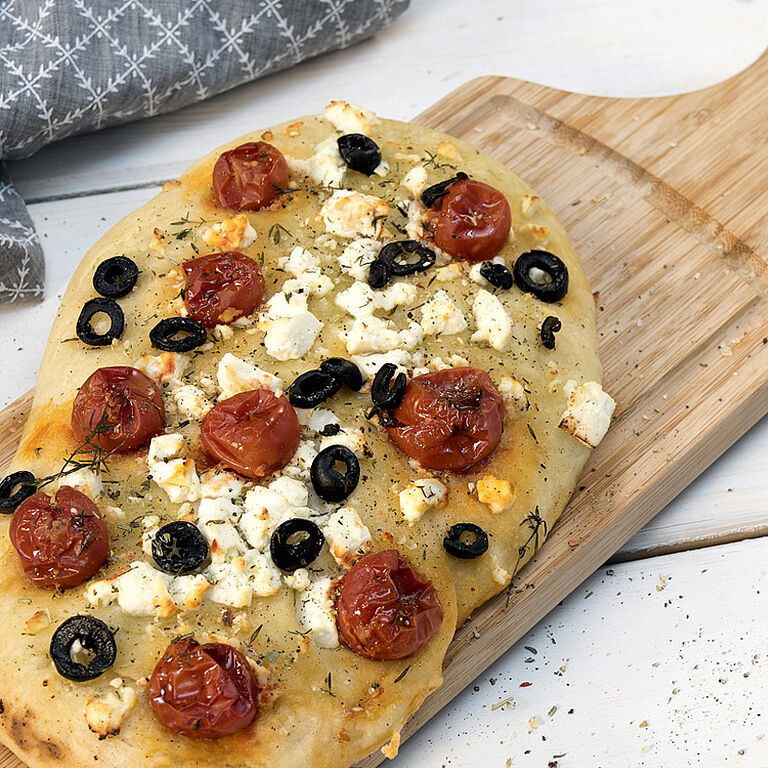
(681, 298)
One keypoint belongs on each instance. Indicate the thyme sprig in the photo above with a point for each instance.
(535, 523)
(187, 224)
(88, 455)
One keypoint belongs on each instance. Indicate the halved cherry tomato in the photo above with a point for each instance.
(222, 287)
(385, 609)
(471, 222)
(450, 419)
(255, 433)
(206, 691)
(60, 543)
(118, 409)
(250, 176)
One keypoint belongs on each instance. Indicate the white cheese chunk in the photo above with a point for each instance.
(354, 215)
(396, 294)
(347, 536)
(223, 538)
(187, 592)
(87, 481)
(588, 412)
(350, 438)
(315, 613)
(163, 447)
(411, 336)
(316, 419)
(298, 580)
(419, 496)
(263, 575)
(301, 462)
(105, 715)
(441, 316)
(350, 118)
(217, 483)
(369, 364)
(235, 376)
(143, 591)
(231, 234)
(266, 507)
(307, 274)
(191, 402)
(291, 329)
(514, 394)
(230, 583)
(167, 368)
(218, 509)
(358, 256)
(415, 181)
(325, 166)
(371, 334)
(294, 491)
(496, 493)
(358, 300)
(178, 478)
(494, 325)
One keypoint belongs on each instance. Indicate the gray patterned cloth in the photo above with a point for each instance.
(74, 66)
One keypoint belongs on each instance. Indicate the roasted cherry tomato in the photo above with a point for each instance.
(471, 221)
(255, 433)
(206, 691)
(60, 543)
(222, 287)
(450, 419)
(385, 609)
(118, 409)
(250, 176)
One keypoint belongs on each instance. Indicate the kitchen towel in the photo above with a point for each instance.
(73, 66)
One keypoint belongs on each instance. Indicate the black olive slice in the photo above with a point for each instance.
(385, 392)
(550, 291)
(24, 483)
(94, 635)
(179, 548)
(432, 194)
(328, 482)
(379, 274)
(312, 388)
(549, 328)
(177, 334)
(295, 544)
(85, 331)
(497, 275)
(359, 152)
(345, 370)
(466, 540)
(406, 257)
(115, 277)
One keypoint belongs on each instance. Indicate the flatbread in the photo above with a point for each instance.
(321, 707)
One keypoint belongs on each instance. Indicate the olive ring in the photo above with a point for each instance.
(549, 328)
(345, 370)
(312, 388)
(432, 194)
(386, 393)
(497, 275)
(379, 274)
(115, 277)
(94, 635)
(328, 482)
(552, 291)
(165, 335)
(179, 548)
(466, 541)
(391, 252)
(289, 556)
(359, 152)
(85, 331)
(27, 485)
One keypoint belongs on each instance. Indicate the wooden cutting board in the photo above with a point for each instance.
(666, 200)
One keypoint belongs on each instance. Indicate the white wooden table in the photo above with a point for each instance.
(659, 660)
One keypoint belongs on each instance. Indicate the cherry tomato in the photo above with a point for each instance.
(471, 222)
(60, 543)
(255, 433)
(222, 287)
(123, 406)
(250, 176)
(450, 419)
(206, 691)
(385, 609)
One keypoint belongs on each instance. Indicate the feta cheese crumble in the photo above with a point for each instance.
(588, 412)
(419, 496)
